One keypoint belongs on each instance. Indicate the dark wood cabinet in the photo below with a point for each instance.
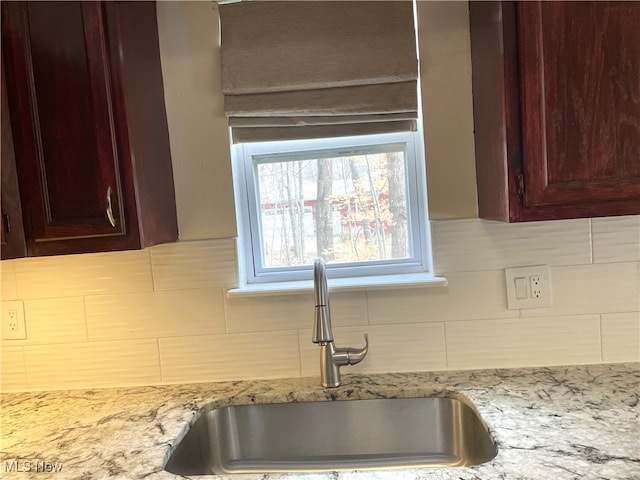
(12, 243)
(556, 89)
(89, 125)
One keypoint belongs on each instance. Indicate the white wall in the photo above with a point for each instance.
(447, 105)
(189, 49)
(160, 315)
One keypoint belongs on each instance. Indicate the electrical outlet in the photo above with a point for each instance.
(528, 287)
(12, 320)
(536, 286)
(13, 323)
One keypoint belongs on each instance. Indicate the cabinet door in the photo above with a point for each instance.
(580, 103)
(12, 243)
(63, 121)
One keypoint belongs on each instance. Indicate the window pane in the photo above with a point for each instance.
(345, 207)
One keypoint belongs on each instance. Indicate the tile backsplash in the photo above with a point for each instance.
(160, 315)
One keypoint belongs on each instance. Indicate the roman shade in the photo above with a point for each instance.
(311, 69)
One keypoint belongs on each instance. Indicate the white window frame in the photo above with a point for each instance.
(245, 158)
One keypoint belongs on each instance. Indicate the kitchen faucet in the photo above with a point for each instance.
(331, 357)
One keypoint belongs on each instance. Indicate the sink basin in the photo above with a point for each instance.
(333, 435)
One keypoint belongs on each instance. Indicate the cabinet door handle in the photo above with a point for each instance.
(112, 219)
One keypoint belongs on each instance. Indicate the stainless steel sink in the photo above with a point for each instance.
(333, 435)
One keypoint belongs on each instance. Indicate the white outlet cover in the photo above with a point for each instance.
(545, 299)
(7, 333)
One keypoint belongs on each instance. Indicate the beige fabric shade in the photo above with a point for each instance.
(309, 69)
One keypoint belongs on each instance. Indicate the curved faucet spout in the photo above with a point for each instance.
(331, 357)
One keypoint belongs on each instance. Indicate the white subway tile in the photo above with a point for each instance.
(597, 288)
(92, 364)
(53, 320)
(474, 244)
(7, 280)
(86, 274)
(197, 264)
(621, 337)
(229, 357)
(471, 295)
(14, 378)
(392, 348)
(520, 342)
(284, 312)
(616, 239)
(155, 314)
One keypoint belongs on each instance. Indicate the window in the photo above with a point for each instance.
(322, 105)
(359, 202)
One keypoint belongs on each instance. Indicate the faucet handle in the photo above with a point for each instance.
(356, 355)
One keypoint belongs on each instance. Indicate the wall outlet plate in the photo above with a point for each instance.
(13, 324)
(528, 287)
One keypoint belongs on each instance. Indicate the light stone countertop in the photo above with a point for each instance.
(579, 422)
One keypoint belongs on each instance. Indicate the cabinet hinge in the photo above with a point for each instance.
(520, 180)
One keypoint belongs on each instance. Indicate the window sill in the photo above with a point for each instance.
(379, 282)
